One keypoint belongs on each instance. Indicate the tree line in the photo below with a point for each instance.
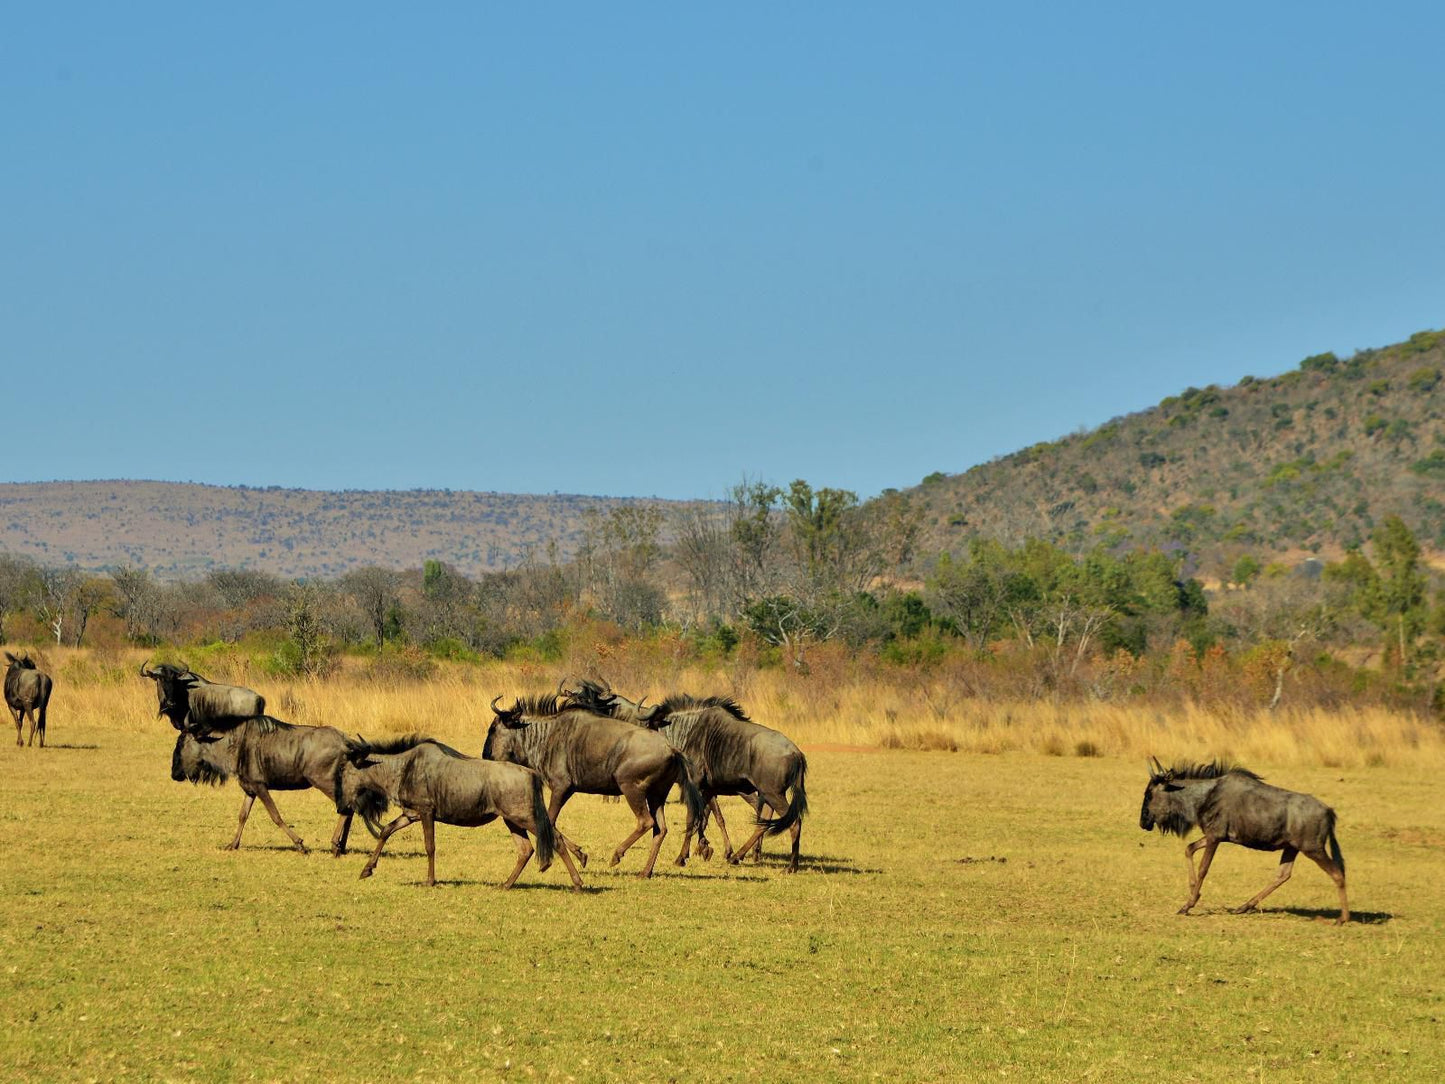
(791, 568)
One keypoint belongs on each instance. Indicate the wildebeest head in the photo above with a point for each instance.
(503, 735)
(1162, 808)
(24, 662)
(173, 686)
(195, 759)
(598, 698)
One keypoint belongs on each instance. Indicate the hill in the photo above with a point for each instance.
(1308, 461)
(180, 530)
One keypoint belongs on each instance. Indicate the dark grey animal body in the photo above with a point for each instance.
(27, 692)
(1231, 805)
(190, 701)
(433, 782)
(731, 755)
(577, 751)
(265, 754)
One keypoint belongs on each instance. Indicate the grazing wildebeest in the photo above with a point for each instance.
(265, 754)
(27, 692)
(577, 751)
(433, 782)
(189, 700)
(1231, 805)
(731, 755)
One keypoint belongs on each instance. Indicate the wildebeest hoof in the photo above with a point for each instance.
(679, 861)
(1185, 909)
(615, 859)
(1242, 909)
(366, 872)
(705, 853)
(543, 867)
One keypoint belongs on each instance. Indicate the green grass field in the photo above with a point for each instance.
(957, 917)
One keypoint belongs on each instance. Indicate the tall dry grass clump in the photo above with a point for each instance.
(839, 702)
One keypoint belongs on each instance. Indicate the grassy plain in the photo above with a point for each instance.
(960, 915)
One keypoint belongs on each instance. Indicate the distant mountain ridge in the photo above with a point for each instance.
(1310, 460)
(181, 530)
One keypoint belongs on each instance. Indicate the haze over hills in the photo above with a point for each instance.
(1309, 461)
(182, 530)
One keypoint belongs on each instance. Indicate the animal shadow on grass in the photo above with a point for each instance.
(815, 863)
(520, 886)
(65, 745)
(1329, 914)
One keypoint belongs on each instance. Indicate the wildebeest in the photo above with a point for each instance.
(433, 782)
(1231, 805)
(576, 751)
(189, 700)
(27, 692)
(731, 755)
(265, 754)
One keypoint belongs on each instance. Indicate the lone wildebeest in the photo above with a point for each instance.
(265, 754)
(433, 782)
(1231, 805)
(576, 751)
(27, 692)
(731, 755)
(189, 700)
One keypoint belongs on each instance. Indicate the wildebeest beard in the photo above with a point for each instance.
(200, 773)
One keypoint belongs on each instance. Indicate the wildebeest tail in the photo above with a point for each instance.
(371, 805)
(1336, 855)
(545, 832)
(691, 797)
(798, 806)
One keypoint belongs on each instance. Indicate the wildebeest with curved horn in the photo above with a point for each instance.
(27, 692)
(265, 754)
(576, 751)
(732, 755)
(189, 700)
(433, 782)
(1232, 805)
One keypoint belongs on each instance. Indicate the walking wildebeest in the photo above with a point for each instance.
(187, 699)
(27, 692)
(1231, 805)
(576, 751)
(433, 782)
(731, 754)
(265, 754)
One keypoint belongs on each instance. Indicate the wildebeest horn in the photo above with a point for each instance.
(1155, 768)
(495, 711)
(603, 684)
(146, 673)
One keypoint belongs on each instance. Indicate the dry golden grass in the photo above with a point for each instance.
(902, 710)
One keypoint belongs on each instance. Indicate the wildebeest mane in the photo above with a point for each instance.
(685, 702)
(544, 704)
(1215, 769)
(358, 749)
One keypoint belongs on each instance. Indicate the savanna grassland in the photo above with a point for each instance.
(991, 912)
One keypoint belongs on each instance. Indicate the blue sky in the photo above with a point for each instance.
(642, 250)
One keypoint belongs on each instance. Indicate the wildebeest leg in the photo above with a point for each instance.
(235, 844)
(1286, 867)
(1338, 876)
(797, 834)
(429, 834)
(562, 850)
(265, 796)
(1196, 878)
(524, 850)
(778, 802)
(554, 807)
(658, 811)
(636, 801)
(386, 833)
(19, 725)
(757, 800)
(338, 837)
(704, 848)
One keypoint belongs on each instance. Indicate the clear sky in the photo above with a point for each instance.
(641, 249)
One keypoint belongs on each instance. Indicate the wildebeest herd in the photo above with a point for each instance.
(585, 738)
